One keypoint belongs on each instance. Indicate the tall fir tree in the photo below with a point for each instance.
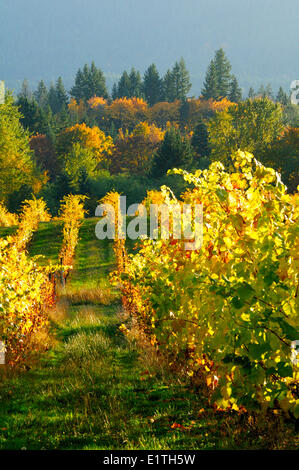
(89, 82)
(135, 84)
(176, 82)
(282, 97)
(52, 98)
(223, 69)
(251, 93)
(26, 90)
(269, 92)
(261, 92)
(114, 94)
(41, 95)
(235, 94)
(96, 83)
(218, 78)
(78, 90)
(61, 95)
(34, 118)
(181, 78)
(210, 86)
(168, 87)
(124, 86)
(152, 85)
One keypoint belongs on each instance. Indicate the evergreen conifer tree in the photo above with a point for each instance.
(210, 87)
(175, 151)
(152, 85)
(282, 97)
(135, 84)
(235, 94)
(41, 95)
(200, 139)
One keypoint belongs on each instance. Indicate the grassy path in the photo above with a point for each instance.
(91, 390)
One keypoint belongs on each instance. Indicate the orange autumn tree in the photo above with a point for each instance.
(221, 105)
(162, 113)
(77, 110)
(127, 112)
(96, 101)
(97, 106)
(83, 149)
(133, 152)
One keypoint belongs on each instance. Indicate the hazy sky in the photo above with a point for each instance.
(47, 38)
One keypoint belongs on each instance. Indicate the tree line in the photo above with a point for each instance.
(152, 86)
(57, 142)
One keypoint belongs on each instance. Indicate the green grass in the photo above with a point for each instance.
(93, 388)
(46, 242)
(7, 231)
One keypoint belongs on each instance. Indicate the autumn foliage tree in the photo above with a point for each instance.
(77, 109)
(133, 151)
(283, 155)
(127, 112)
(45, 154)
(163, 112)
(251, 125)
(83, 148)
(17, 166)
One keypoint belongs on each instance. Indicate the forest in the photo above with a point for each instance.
(187, 349)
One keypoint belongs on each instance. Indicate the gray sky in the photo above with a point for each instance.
(41, 39)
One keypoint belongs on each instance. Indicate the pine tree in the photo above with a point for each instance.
(223, 69)
(114, 94)
(200, 139)
(268, 91)
(210, 86)
(78, 90)
(181, 78)
(218, 78)
(124, 86)
(282, 97)
(25, 90)
(89, 82)
(135, 84)
(152, 85)
(261, 91)
(52, 98)
(41, 95)
(33, 117)
(235, 94)
(174, 151)
(96, 83)
(61, 95)
(63, 119)
(168, 87)
(251, 93)
(176, 82)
